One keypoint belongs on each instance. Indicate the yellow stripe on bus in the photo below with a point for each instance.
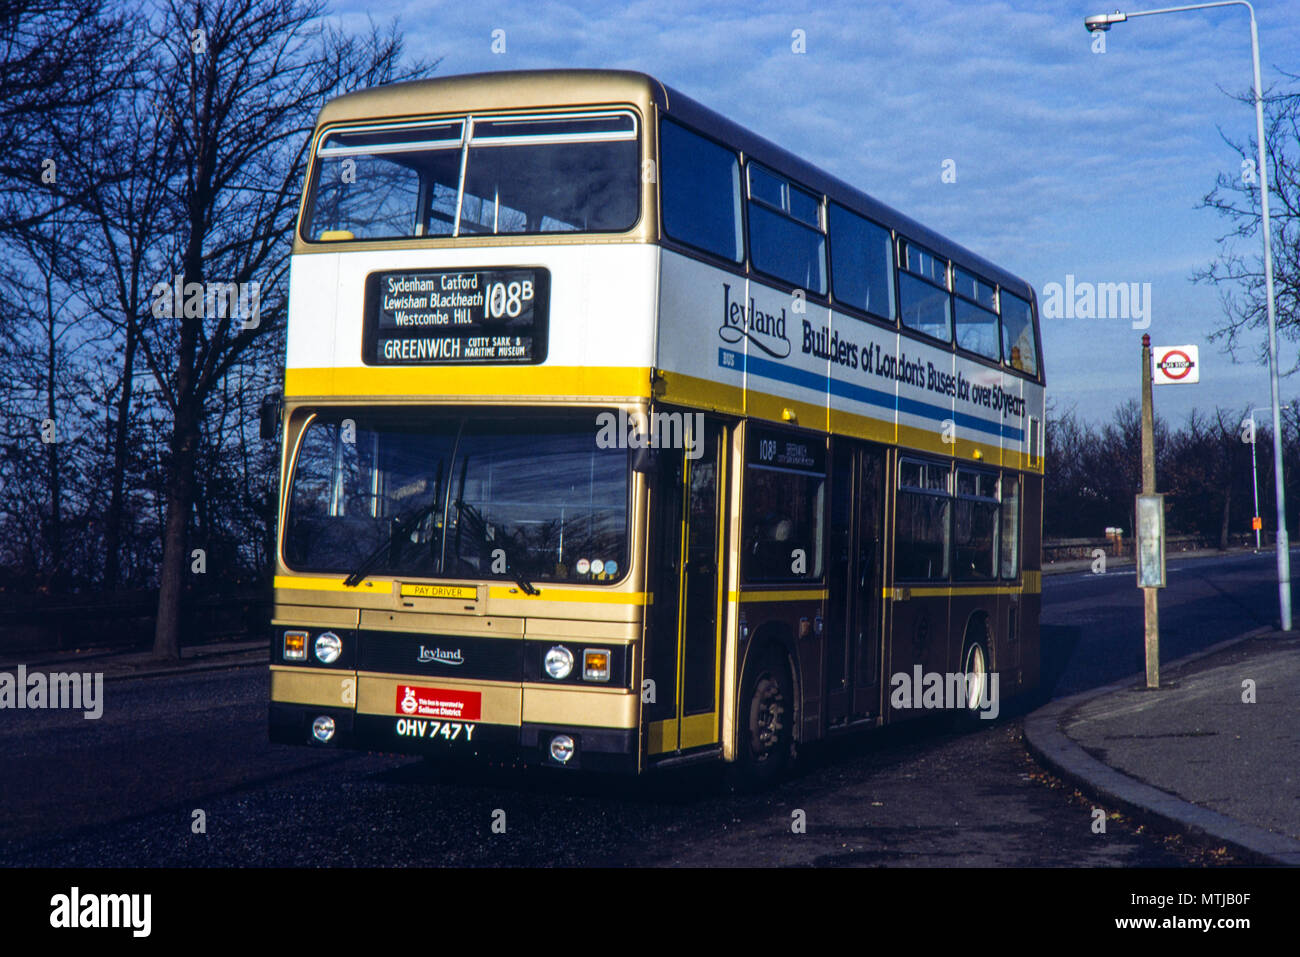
(571, 594)
(367, 587)
(381, 587)
(589, 382)
(1032, 586)
(442, 381)
(751, 596)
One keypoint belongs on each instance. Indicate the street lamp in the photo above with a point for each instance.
(1104, 22)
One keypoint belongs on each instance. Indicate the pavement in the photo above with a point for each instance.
(1213, 753)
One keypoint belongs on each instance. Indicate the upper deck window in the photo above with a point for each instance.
(785, 233)
(1018, 333)
(701, 192)
(478, 175)
(977, 323)
(862, 263)
(923, 291)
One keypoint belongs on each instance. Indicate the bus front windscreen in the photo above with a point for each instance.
(477, 175)
(443, 495)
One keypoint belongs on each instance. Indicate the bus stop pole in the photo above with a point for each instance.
(1150, 596)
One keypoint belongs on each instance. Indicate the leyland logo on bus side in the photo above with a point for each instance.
(764, 329)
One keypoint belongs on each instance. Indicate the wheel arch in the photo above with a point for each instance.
(779, 636)
(979, 624)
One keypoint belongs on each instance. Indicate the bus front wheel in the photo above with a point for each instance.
(766, 726)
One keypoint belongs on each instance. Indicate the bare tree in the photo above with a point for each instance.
(60, 58)
(1238, 270)
(244, 80)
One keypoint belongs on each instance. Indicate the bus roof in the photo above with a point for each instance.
(542, 89)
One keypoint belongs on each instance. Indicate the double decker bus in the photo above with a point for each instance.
(616, 437)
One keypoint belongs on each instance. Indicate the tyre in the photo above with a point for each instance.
(975, 664)
(765, 729)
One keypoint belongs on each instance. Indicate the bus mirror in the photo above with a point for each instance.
(645, 460)
(269, 417)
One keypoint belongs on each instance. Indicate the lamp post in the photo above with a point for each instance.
(1104, 22)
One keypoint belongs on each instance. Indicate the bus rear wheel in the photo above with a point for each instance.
(766, 728)
(975, 666)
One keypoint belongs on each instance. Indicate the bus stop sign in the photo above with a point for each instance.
(1175, 365)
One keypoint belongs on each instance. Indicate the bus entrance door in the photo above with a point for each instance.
(854, 597)
(683, 658)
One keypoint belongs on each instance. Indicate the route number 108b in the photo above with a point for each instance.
(507, 300)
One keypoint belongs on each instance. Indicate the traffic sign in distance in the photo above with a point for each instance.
(1175, 365)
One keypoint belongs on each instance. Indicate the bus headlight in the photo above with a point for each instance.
(562, 748)
(559, 662)
(322, 729)
(328, 647)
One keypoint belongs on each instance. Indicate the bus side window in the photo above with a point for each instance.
(924, 525)
(1018, 333)
(783, 523)
(700, 192)
(1010, 526)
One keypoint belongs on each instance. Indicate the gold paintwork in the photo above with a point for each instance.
(580, 705)
(587, 629)
(312, 615)
(486, 94)
(435, 624)
(329, 689)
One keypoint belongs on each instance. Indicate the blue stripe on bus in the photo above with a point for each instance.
(767, 369)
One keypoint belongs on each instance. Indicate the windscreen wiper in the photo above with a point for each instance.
(402, 524)
(470, 517)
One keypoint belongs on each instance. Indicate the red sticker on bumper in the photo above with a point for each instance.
(438, 703)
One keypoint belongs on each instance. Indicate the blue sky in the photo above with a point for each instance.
(1067, 161)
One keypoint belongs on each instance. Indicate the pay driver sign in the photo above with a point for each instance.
(1175, 365)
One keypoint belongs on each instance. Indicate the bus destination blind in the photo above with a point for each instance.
(437, 316)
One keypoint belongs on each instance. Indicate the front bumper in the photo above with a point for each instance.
(596, 749)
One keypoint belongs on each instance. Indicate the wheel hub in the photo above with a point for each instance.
(975, 677)
(766, 716)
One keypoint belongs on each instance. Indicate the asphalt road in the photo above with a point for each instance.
(124, 789)
(1092, 624)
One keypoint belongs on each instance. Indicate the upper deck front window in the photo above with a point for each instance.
(492, 175)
